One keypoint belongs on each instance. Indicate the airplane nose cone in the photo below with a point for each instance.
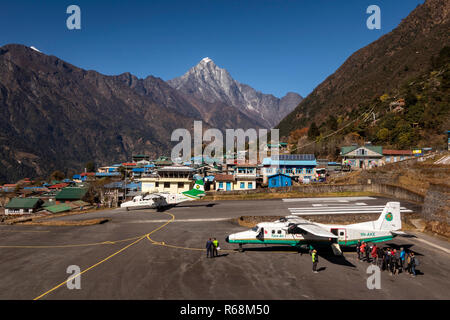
(227, 239)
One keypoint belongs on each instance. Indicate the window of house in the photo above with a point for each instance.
(250, 185)
(289, 170)
(308, 170)
(156, 184)
(220, 185)
(166, 184)
(361, 152)
(180, 184)
(242, 185)
(388, 159)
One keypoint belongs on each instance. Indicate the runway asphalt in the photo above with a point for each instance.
(146, 254)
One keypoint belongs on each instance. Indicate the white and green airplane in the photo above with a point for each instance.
(296, 231)
(162, 199)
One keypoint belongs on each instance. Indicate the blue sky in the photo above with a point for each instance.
(275, 46)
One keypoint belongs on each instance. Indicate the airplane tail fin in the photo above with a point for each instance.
(390, 218)
(197, 191)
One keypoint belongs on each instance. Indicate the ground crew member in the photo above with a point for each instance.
(215, 246)
(315, 260)
(209, 248)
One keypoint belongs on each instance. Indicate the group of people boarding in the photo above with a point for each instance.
(390, 259)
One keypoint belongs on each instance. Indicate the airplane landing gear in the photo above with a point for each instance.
(240, 248)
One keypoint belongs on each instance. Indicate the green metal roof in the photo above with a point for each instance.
(23, 203)
(377, 149)
(71, 193)
(57, 208)
(48, 203)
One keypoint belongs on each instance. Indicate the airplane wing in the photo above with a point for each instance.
(311, 227)
(316, 230)
(153, 196)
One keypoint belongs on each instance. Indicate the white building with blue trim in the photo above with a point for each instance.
(297, 166)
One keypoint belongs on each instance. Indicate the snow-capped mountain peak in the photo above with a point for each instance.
(211, 83)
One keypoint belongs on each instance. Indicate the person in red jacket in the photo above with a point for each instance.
(363, 249)
(374, 254)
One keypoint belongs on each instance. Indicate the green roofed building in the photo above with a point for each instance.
(58, 208)
(71, 194)
(23, 205)
(362, 157)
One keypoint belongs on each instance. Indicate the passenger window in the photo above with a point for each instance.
(279, 232)
(341, 233)
(273, 231)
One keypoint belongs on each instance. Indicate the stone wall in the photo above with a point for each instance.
(436, 205)
(384, 189)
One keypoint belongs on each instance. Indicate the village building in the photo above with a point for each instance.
(23, 205)
(282, 147)
(296, 166)
(224, 182)
(245, 176)
(70, 194)
(391, 156)
(362, 157)
(172, 179)
(279, 180)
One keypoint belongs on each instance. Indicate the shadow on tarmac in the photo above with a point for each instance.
(208, 205)
(325, 254)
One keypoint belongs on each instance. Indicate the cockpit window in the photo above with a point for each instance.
(255, 229)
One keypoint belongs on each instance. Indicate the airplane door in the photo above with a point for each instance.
(260, 235)
(342, 236)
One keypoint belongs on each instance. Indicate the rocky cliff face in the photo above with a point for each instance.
(208, 82)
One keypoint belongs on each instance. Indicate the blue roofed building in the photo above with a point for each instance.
(279, 180)
(296, 166)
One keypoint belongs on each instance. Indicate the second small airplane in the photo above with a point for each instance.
(161, 200)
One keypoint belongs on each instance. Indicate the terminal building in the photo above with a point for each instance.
(172, 179)
(296, 166)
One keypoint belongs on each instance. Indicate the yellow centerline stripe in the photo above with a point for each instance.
(71, 245)
(106, 259)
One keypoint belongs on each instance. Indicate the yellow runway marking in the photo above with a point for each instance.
(106, 259)
(71, 245)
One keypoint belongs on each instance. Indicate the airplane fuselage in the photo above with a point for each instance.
(275, 233)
